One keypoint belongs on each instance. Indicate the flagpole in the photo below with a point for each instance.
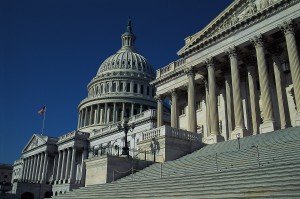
(44, 113)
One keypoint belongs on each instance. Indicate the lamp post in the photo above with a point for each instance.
(126, 127)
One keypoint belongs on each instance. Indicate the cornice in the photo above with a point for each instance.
(203, 40)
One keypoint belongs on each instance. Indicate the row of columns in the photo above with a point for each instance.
(64, 165)
(233, 90)
(35, 168)
(104, 114)
(117, 86)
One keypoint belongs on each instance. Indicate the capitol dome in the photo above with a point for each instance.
(120, 88)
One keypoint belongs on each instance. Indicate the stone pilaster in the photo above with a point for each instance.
(159, 100)
(192, 127)
(236, 93)
(213, 104)
(268, 120)
(132, 110)
(289, 32)
(174, 109)
(85, 116)
(79, 119)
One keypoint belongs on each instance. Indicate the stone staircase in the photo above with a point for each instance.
(265, 166)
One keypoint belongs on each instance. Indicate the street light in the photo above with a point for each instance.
(126, 127)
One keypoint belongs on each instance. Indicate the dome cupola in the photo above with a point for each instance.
(120, 88)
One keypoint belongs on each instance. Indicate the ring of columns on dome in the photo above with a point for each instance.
(243, 77)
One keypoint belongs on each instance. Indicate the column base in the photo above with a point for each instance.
(239, 133)
(297, 119)
(267, 126)
(212, 139)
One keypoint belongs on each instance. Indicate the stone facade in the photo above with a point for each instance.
(52, 166)
(238, 76)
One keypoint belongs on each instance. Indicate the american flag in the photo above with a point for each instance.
(42, 110)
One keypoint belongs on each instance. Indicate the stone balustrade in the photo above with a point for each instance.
(171, 132)
(170, 67)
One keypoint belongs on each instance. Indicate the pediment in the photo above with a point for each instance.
(34, 142)
(237, 12)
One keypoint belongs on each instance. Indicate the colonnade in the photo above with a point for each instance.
(137, 87)
(108, 112)
(234, 106)
(35, 168)
(65, 165)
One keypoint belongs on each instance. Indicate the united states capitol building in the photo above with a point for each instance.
(237, 77)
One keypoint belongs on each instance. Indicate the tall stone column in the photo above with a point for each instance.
(192, 126)
(108, 114)
(33, 168)
(28, 169)
(58, 166)
(63, 165)
(141, 108)
(45, 164)
(98, 114)
(68, 163)
(54, 167)
(79, 119)
(114, 113)
(268, 120)
(91, 115)
(229, 107)
(207, 110)
(236, 93)
(289, 33)
(101, 115)
(132, 109)
(174, 109)
(82, 168)
(38, 167)
(105, 113)
(276, 52)
(72, 170)
(213, 104)
(123, 111)
(85, 116)
(159, 100)
(25, 165)
(253, 92)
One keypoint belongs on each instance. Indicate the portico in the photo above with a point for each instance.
(249, 89)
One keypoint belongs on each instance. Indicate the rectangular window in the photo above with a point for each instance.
(128, 87)
(121, 87)
(142, 89)
(147, 90)
(135, 88)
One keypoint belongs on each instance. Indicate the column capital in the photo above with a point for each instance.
(189, 70)
(258, 40)
(287, 27)
(158, 98)
(210, 62)
(231, 52)
(173, 92)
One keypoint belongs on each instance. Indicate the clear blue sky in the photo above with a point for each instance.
(51, 49)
